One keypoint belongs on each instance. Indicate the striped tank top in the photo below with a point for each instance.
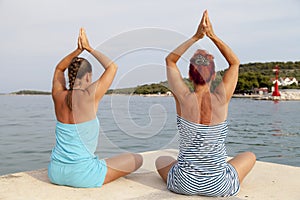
(202, 168)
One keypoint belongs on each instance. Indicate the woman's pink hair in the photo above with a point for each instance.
(202, 67)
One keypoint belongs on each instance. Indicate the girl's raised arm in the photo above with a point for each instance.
(100, 86)
(59, 82)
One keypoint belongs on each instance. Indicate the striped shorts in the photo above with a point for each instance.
(183, 182)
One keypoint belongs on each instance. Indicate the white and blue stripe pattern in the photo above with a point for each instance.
(202, 168)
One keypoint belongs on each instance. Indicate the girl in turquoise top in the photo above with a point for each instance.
(73, 161)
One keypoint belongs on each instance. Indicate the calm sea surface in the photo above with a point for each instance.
(137, 124)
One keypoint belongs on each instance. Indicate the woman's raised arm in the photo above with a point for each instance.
(230, 77)
(176, 83)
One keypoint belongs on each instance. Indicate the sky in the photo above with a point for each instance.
(138, 35)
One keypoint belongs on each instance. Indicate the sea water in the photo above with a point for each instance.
(136, 124)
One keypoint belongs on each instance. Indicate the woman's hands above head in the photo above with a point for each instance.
(79, 45)
(209, 32)
(201, 28)
(204, 28)
(84, 40)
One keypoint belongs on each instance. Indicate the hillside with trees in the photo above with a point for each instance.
(257, 75)
(251, 75)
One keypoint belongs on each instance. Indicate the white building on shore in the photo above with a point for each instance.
(285, 81)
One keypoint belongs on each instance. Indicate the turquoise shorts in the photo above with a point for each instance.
(87, 174)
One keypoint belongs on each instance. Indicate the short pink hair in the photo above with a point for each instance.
(202, 67)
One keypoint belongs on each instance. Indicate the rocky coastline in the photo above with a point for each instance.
(285, 95)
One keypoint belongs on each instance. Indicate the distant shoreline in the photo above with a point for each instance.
(286, 95)
(29, 92)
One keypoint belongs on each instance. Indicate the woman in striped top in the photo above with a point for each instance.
(201, 166)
